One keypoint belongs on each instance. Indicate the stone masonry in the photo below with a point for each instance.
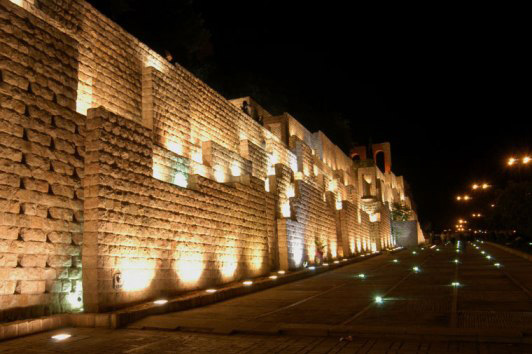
(124, 178)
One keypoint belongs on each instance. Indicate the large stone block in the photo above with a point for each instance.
(7, 287)
(35, 185)
(8, 260)
(33, 260)
(9, 232)
(60, 261)
(31, 286)
(33, 235)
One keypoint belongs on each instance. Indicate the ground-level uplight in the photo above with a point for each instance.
(273, 277)
(61, 336)
(312, 268)
(336, 262)
(211, 291)
(414, 252)
(281, 272)
(160, 302)
(455, 284)
(248, 283)
(362, 275)
(378, 299)
(326, 264)
(497, 265)
(415, 269)
(396, 260)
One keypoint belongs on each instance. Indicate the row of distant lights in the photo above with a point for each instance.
(63, 336)
(513, 161)
(488, 257)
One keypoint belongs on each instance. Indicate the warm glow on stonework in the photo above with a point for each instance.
(197, 156)
(153, 62)
(219, 174)
(190, 263)
(137, 273)
(297, 251)
(130, 161)
(235, 169)
(174, 146)
(290, 191)
(285, 210)
(181, 180)
(228, 259)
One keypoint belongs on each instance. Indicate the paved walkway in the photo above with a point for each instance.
(102, 341)
(421, 312)
(487, 296)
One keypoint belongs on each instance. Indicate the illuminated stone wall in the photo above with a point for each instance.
(41, 167)
(159, 238)
(179, 189)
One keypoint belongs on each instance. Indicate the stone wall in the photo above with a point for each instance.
(407, 233)
(41, 167)
(113, 158)
(161, 239)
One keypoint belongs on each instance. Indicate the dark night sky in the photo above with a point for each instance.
(447, 86)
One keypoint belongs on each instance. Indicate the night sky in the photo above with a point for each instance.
(446, 86)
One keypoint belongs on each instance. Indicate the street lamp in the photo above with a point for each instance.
(464, 197)
(525, 160)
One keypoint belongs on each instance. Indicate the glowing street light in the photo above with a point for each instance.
(378, 299)
(415, 269)
(464, 197)
(362, 275)
(525, 160)
(455, 284)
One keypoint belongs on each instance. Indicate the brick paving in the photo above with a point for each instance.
(421, 313)
(102, 341)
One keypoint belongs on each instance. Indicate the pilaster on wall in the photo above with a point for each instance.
(115, 148)
(41, 167)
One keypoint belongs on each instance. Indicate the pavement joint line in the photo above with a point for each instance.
(512, 278)
(372, 303)
(454, 304)
(316, 295)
